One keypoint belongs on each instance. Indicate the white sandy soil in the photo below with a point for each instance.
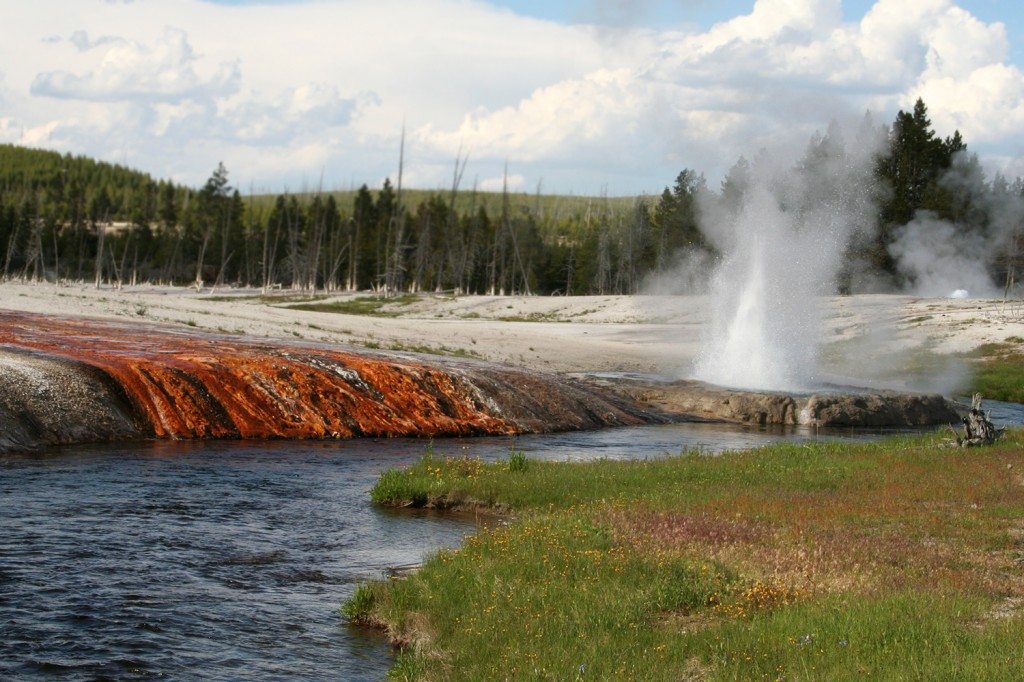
(659, 334)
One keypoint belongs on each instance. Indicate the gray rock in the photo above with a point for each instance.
(698, 401)
(51, 401)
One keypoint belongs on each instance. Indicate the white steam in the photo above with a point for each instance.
(689, 273)
(941, 258)
(782, 244)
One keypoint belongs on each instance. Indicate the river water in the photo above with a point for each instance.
(229, 560)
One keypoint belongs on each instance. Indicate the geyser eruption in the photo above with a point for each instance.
(762, 314)
(782, 246)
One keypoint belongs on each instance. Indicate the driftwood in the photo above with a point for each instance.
(978, 427)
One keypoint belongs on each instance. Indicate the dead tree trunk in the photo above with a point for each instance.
(202, 256)
(978, 427)
(393, 272)
(102, 228)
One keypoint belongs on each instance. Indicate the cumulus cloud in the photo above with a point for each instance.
(80, 39)
(553, 121)
(128, 70)
(781, 70)
(309, 107)
(308, 111)
(13, 131)
(332, 82)
(9, 130)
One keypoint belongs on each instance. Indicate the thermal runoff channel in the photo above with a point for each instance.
(782, 246)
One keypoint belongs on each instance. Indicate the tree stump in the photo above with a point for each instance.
(978, 427)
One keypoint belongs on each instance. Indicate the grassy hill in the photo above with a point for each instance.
(25, 168)
(548, 205)
(68, 179)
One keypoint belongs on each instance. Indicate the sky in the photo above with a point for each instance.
(582, 96)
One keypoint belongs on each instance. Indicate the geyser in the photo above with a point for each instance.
(782, 245)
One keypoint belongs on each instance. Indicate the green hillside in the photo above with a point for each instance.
(554, 206)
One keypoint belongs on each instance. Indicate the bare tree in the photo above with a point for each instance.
(394, 270)
(454, 258)
(506, 220)
(101, 234)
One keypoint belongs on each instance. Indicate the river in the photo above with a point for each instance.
(229, 560)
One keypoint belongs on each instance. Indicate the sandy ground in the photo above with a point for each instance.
(564, 334)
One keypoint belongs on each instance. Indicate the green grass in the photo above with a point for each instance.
(530, 317)
(893, 560)
(272, 298)
(691, 476)
(999, 371)
(376, 306)
(434, 350)
(1000, 379)
(518, 461)
(905, 635)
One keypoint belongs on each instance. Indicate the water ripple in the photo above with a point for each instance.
(230, 560)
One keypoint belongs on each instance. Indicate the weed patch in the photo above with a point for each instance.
(374, 306)
(999, 371)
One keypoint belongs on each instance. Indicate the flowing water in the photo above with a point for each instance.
(229, 560)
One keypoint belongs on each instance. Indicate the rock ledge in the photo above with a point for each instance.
(840, 408)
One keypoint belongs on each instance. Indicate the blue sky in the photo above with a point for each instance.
(301, 90)
(703, 13)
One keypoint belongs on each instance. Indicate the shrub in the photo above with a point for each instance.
(357, 608)
(517, 461)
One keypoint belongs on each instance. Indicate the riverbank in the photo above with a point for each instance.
(67, 380)
(86, 364)
(899, 559)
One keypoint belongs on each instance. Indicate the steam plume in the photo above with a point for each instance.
(782, 246)
(946, 257)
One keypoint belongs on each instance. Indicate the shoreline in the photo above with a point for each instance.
(70, 380)
(218, 390)
(598, 569)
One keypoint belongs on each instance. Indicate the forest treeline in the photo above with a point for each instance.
(71, 217)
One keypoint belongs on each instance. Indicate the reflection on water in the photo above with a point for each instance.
(228, 560)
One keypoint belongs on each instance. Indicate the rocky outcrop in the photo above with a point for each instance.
(696, 400)
(52, 401)
(76, 380)
(878, 409)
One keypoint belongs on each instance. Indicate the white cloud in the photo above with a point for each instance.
(552, 122)
(782, 71)
(81, 40)
(281, 92)
(130, 71)
(307, 108)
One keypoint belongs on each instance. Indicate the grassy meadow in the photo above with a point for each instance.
(899, 559)
(999, 370)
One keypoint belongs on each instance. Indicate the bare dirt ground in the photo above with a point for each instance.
(658, 334)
